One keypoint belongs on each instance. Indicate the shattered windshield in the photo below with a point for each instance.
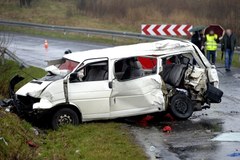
(59, 71)
(68, 65)
(49, 77)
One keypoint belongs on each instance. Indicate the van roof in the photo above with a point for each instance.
(157, 48)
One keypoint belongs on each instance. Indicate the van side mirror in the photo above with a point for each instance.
(73, 77)
(213, 66)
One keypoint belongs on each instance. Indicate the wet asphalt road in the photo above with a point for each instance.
(189, 139)
(32, 51)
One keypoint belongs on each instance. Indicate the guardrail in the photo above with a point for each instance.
(5, 51)
(84, 30)
(90, 31)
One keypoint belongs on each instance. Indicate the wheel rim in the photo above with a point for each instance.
(65, 119)
(181, 106)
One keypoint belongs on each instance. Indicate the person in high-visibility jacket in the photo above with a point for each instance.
(211, 46)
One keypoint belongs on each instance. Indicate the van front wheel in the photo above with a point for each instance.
(64, 116)
(181, 106)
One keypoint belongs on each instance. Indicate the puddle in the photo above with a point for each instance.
(194, 125)
(228, 137)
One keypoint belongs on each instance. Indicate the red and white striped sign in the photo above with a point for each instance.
(166, 29)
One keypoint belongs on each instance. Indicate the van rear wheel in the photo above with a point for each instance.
(181, 106)
(64, 116)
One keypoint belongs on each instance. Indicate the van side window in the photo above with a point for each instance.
(174, 68)
(92, 72)
(134, 67)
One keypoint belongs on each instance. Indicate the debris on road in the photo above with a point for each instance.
(208, 130)
(36, 132)
(167, 129)
(157, 153)
(32, 144)
(152, 148)
(235, 154)
(234, 112)
(144, 122)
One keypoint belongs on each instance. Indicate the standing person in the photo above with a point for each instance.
(197, 39)
(228, 45)
(211, 46)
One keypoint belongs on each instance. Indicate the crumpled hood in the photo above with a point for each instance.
(33, 88)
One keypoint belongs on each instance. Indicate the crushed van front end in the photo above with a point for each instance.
(22, 103)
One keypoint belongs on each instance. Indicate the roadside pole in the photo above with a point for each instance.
(2, 58)
(2, 50)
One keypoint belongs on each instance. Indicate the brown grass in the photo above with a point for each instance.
(136, 12)
(126, 15)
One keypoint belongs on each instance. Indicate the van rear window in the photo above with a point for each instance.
(147, 62)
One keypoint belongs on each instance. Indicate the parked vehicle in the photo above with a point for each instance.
(123, 81)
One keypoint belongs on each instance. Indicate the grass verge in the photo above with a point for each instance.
(10, 69)
(235, 62)
(14, 134)
(86, 141)
(92, 141)
(72, 36)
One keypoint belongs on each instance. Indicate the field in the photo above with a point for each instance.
(125, 15)
(109, 140)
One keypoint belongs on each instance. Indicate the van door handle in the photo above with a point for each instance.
(110, 84)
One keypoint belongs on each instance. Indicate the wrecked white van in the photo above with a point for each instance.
(167, 75)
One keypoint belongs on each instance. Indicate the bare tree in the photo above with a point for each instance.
(28, 2)
(81, 4)
(25, 3)
(22, 3)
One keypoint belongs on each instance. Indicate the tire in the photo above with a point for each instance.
(64, 116)
(181, 106)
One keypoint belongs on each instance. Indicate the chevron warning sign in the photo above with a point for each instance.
(166, 29)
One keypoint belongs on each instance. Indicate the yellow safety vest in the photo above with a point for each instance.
(211, 44)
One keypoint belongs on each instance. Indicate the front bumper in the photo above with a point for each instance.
(43, 104)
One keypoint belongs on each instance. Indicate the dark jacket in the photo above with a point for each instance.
(197, 39)
(233, 42)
